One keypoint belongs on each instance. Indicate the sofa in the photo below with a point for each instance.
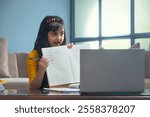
(13, 68)
(18, 71)
(17, 77)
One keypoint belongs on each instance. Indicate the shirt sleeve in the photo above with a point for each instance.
(32, 65)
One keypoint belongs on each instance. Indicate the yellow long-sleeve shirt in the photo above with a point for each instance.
(32, 65)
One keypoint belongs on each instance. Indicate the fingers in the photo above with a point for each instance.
(44, 60)
(69, 45)
(43, 63)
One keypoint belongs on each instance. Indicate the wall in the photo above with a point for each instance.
(20, 20)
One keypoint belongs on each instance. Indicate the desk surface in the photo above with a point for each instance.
(16, 94)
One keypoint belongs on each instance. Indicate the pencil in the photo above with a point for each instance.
(36, 59)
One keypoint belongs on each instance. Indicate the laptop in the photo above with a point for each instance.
(112, 71)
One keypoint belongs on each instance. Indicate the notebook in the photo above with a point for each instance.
(112, 71)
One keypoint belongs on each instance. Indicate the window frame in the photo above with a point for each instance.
(133, 36)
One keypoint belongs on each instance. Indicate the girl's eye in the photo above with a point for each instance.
(54, 33)
(62, 33)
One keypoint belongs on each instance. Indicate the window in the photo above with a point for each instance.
(115, 17)
(113, 24)
(116, 44)
(86, 18)
(142, 16)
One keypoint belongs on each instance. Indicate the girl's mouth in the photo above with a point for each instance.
(57, 43)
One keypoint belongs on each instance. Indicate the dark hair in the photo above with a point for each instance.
(49, 23)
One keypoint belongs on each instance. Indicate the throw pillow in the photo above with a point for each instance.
(136, 45)
(4, 71)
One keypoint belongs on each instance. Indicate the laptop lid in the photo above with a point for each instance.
(112, 70)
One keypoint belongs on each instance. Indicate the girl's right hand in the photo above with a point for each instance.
(43, 64)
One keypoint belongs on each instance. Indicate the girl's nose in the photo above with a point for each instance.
(59, 38)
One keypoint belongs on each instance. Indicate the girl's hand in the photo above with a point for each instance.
(69, 45)
(43, 64)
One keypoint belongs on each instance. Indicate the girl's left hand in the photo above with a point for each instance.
(69, 45)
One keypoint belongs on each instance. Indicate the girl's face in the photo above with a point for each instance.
(56, 38)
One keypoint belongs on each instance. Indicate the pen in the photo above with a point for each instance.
(36, 59)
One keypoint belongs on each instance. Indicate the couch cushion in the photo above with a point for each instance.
(4, 71)
(16, 83)
(21, 63)
(12, 64)
(136, 45)
(147, 64)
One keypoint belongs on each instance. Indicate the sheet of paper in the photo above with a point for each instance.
(59, 70)
(64, 90)
(64, 64)
(75, 60)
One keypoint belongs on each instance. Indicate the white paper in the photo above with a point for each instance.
(64, 64)
(64, 90)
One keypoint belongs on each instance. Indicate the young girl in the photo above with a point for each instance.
(51, 33)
